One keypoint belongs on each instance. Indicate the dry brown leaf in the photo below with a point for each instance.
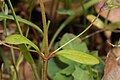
(114, 15)
(112, 66)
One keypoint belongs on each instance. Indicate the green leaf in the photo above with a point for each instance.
(3, 16)
(80, 74)
(5, 60)
(17, 39)
(99, 67)
(94, 53)
(68, 71)
(60, 76)
(98, 23)
(26, 53)
(52, 69)
(65, 12)
(113, 25)
(66, 61)
(29, 58)
(74, 45)
(19, 60)
(65, 74)
(6, 9)
(112, 4)
(79, 57)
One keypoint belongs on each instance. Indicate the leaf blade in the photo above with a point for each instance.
(98, 23)
(3, 16)
(17, 39)
(26, 53)
(112, 26)
(79, 57)
(74, 45)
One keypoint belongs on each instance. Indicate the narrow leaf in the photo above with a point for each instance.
(19, 39)
(26, 53)
(65, 12)
(3, 16)
(5, 60)
(6, 9)
(113, 25)
(79, 57)
(29, 58)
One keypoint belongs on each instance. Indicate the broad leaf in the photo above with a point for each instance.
(66, 61)
(74, 45)
(98, 23)
(17, 39)
(68, 71)
(60, 76)
(52, 69)
(65, 74)
(79, 57)
(80, 74)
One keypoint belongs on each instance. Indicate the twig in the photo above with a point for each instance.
(10, 46)
(118, 45)
(92, 34)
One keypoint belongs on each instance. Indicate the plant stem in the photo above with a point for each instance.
(44, 27)
(106, 19)
(45, 61)
(5, 27)
(1, 74)
(70, 18)
(51, 9)
(119, 41)
(15, 18)
(92, 34)
(30, 12)
(52, 54)
(12, 52)
(84, 11)
(44, 70)
(20, 31)
(15, 74)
